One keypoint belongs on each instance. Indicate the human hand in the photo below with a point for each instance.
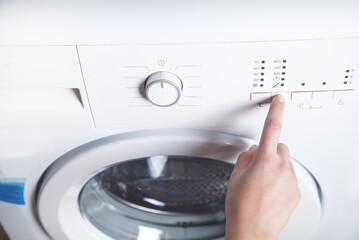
(263, 188)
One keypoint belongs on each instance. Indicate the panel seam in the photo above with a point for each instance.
(85, 88)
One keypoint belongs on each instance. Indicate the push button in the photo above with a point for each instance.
(324, 96)
(261, 97)
(341, 97)
(302, 96)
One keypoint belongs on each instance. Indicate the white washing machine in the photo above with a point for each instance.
(122, 120)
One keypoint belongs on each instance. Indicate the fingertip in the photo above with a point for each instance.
(279, 98)
(277, 106)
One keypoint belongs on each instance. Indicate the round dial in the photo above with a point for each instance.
(163, 88)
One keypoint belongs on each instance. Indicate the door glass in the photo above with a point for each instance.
(159, 197)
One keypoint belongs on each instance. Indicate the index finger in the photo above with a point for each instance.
(272, 126)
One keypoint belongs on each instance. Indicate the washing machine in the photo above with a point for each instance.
(123, 119)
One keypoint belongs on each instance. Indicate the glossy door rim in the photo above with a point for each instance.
(57, 198)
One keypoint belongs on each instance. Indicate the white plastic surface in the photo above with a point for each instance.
(220, 85)
(90, 22)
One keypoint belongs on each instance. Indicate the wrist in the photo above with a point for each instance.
(247, 234)
(247, 237)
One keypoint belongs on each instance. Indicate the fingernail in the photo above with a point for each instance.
(280, 98)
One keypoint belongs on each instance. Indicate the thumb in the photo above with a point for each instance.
(245, 158)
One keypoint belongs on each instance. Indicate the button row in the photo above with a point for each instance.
(303, 95)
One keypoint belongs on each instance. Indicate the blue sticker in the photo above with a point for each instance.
(12, 190)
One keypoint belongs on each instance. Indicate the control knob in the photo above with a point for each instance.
(163, 88)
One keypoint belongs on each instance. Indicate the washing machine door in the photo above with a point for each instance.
(164, 184)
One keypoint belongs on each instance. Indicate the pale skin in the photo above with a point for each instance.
(263, 188)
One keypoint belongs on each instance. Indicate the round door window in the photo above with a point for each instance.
(95, 192)
(159, 197)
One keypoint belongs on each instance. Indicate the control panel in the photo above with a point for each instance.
(307, 99)
(221, 85)
(325, 83)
